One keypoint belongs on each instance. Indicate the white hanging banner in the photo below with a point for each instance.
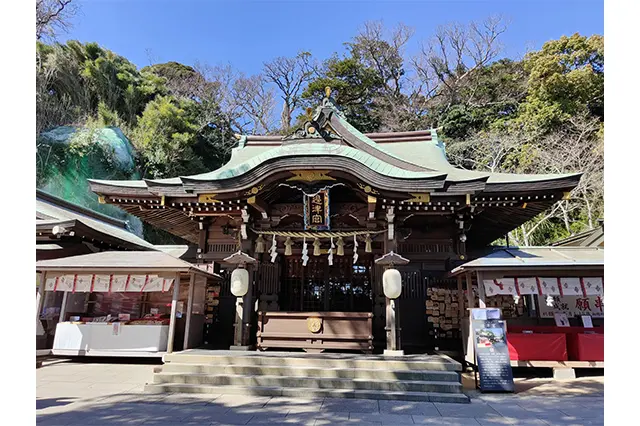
(167, 284)
(501, 286)
(527, 286)
(571, 286)
(154, 284)
(101, 283)
(65, 283)
(50, 283)
(137, 282)
(119, 283)
(83, 283)
(549, 286)
(593, 286)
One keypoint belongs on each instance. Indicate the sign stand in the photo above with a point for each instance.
(491, 353)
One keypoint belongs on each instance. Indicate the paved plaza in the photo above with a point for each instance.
(111, 393)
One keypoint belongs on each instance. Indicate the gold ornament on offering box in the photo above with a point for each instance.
(314, 324)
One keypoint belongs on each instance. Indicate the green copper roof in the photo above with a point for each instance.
(232, 169)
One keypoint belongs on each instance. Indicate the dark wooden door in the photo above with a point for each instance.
(318, 286)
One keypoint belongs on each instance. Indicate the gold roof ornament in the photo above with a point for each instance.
(327, 91)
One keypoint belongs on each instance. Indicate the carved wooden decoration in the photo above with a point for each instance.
(310, 175)
(419, 198)
(208, 198)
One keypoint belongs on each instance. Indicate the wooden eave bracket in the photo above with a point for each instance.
(259, 205)
(371, 207)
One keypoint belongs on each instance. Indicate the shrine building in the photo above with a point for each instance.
(309, 214)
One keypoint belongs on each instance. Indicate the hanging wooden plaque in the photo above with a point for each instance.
(316, 211)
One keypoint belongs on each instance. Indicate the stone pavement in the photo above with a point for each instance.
(109, 393)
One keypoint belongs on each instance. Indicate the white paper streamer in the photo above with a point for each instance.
(273, 249)
(355, 249)
(330, 258)
(305, 252)
(549, 301)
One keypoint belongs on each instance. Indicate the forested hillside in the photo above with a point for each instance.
(543, 113)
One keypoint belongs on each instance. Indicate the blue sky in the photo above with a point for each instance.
(248, 33)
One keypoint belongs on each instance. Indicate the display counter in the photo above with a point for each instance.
(537, 347)
(110, 339)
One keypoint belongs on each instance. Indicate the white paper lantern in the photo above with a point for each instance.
(392, 283)
(239, 282)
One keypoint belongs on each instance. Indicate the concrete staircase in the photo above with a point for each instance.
(434, 378)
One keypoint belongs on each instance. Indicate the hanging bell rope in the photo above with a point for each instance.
(316, 247)
(260, 244)
(317, 234)
(287, 246)
(340, 251)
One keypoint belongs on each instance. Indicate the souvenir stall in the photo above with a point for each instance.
(125, 303)
(551, 297)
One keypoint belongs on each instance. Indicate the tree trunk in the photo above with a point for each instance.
(589, 212)
(286, 117)
(525, 237)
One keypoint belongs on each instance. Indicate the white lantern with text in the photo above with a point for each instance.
(239, 282)
(392, 283)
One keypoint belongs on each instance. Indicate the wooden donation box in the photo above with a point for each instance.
(315, 331)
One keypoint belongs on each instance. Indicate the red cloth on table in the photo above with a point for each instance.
(537, 347)
(586, 347)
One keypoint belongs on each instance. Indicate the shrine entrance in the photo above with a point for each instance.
(320, 287)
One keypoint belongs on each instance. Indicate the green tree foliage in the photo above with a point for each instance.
(165, 136)
(73, 79)
(566, 78)
(488, 99)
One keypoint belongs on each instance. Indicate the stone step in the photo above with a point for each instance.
(307, 392)
(307, 382)
(371, 362)
(334, 373)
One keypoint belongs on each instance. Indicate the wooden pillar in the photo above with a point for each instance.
(470, 298)
(460, 299)
(40, 295)
(187, 325)
(174, 307)
(239, 324)
(247, 308)
(481, 295)
(63, 308)
(391, 324)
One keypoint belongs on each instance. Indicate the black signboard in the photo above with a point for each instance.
(492, 355)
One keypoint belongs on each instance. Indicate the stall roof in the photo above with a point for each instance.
(52, 211)
(535, 257)
(121, 261)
